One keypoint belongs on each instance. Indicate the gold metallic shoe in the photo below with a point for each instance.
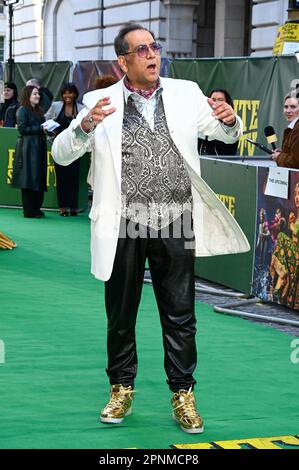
(119, 405)
(184, 412)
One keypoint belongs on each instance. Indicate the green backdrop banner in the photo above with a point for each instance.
(12, 197)
(51, 74)
(257, 86)
(235, 185)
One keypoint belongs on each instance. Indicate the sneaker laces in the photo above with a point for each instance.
(119, 395)
(188, 403)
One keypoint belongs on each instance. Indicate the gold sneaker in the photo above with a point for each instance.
(184, 412)
(119, 405)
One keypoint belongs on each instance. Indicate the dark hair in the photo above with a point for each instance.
(12, 86)
(71, 87)
(120, 44)
(281, 209)
(228, 98)
(104, 81)
(25, 100)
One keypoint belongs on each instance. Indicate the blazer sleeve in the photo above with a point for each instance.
(211, 127)
(72, 143)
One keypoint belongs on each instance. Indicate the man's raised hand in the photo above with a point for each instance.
(96, 115)
(223, 112)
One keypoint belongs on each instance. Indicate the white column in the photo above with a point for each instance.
(229, 27)
(180, 27)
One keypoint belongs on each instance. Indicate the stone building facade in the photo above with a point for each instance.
(50, 30)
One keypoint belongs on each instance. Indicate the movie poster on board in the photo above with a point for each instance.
(276, 266)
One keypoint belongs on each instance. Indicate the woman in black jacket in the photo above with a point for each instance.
(10, 106)
(67, 177)
(30, 161)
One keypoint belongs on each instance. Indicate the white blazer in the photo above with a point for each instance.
(188, 114)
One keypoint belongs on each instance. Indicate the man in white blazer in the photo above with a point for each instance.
(145, 173)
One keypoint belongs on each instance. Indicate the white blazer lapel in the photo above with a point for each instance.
(113, 126)
(168, 100)
(176, 120)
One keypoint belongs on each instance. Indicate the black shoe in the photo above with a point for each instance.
(41, 213)
(64, 213)
(74, 213)
(36, 216)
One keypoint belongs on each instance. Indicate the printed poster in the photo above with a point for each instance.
(276, 266)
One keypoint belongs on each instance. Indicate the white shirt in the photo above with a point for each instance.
(145, 106)
(292, 124)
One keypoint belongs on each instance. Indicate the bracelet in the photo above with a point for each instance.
(90, 120)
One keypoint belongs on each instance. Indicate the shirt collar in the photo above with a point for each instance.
(138, 97)
(292, 124)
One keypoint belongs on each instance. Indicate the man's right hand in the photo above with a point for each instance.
(96, 115)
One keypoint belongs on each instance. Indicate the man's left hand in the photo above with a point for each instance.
(275, 154)
(223, 112)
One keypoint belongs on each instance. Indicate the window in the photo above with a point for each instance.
(1, 7)
(293, 3)
(1, 48)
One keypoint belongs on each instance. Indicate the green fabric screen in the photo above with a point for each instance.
(257, 86)
(12, 197)
(51, 74)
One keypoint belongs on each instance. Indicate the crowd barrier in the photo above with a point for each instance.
(235, 185)
(257, 86)
(12, 197)
(270, 270)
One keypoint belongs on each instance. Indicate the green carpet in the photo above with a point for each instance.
(53, 381)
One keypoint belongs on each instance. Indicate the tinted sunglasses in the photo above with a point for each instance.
(143, 49)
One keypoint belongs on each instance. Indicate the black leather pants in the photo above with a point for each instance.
(172, 272)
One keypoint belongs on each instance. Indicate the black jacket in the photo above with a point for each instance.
(216, 147)
(11, 115)
(8, 112)
(30, 160)
(46, 98)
